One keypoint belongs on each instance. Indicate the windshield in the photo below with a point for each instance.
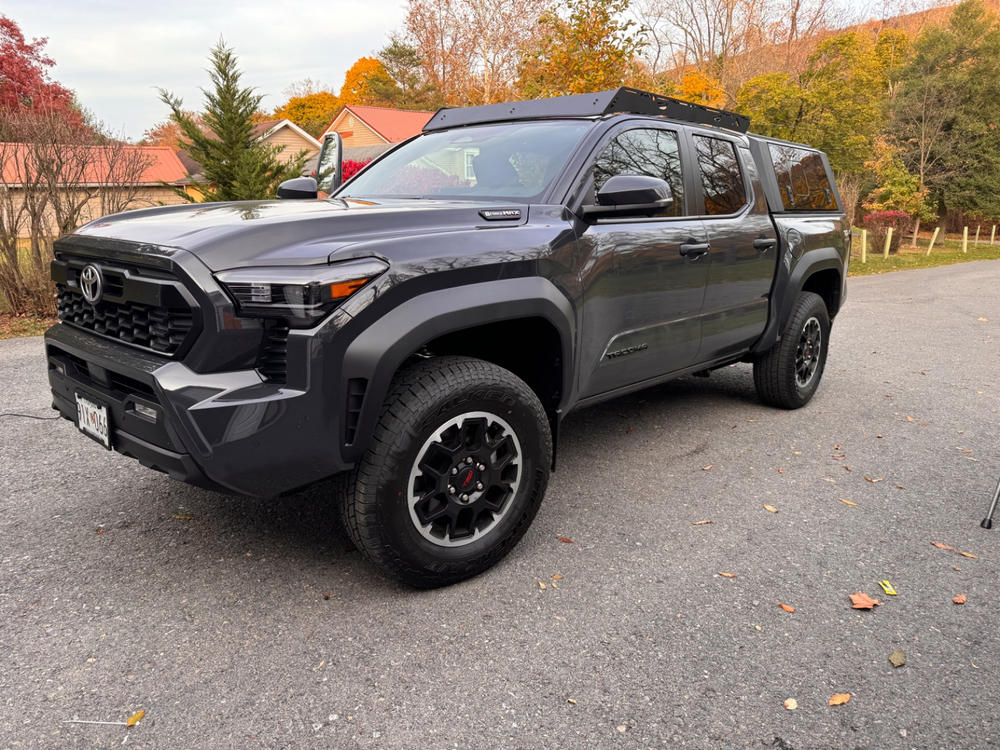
(515, 161)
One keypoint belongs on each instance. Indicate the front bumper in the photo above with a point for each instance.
(230, 430)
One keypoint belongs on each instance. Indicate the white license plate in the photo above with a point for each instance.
(93, 420)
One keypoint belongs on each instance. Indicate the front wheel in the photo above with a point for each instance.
(788, 374)
(457, 469)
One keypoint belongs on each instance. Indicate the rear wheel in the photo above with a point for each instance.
(457, 468)
(788, 374)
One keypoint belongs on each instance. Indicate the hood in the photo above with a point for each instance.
(289, 232)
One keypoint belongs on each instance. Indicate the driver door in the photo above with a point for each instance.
(643, 278)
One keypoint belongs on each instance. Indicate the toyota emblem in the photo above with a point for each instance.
(91, 283)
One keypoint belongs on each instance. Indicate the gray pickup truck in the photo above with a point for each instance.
(421, 333)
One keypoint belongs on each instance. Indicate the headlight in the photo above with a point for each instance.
(303, 296)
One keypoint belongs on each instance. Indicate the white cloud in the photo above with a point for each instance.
(114, 54)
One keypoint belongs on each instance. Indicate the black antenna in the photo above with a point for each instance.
(623, 100)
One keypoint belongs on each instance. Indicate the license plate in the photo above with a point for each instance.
(92, 419)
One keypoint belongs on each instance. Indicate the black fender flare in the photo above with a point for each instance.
(787, 286)
(377, 353)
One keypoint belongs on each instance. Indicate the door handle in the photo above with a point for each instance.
(764, 243)
(694, 249)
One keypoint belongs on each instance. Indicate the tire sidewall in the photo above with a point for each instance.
(395, 527)
(814, 308)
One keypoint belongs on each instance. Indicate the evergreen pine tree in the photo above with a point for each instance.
(235, 165)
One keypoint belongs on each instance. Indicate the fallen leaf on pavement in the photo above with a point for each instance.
(984, 320)
(897, 658)
(953, 567)
(879, 437)
(968, 554)
(839, 699)
(942, 545)
(797, 453)
(960, 599)
(791, 704)
(770, 508)
(183, 518)
(861, 600)
(621, 728)
(848, 502)
(786, 607)
(780, 470)
(831, 480)
(700, 523)
(135, 718)
(556, 577)
(564, 539)
(570, 700)
(541, 585)
(847, 468)
(727, 575)
(707, 468)
(876, 479)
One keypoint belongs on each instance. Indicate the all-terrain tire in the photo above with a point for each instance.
(378, 501)
(788, 374)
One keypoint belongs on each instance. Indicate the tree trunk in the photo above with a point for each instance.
(916, 228)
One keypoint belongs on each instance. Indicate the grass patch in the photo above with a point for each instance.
(17, 326)
(944, 253)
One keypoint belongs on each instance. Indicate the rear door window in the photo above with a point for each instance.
(802, 179)
(721, 176)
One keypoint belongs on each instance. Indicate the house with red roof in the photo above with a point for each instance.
(375, 128)
(90, 175)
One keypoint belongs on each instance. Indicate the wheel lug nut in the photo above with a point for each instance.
(451, 490)
(465, 498)
(454, 470)
(481, 467)
(479, 485)
(468, 460)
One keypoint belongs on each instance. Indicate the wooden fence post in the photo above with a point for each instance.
(974, 244)
(933, 237)
(864, 245)
(993, 233)
(965, 239)
(888, 241)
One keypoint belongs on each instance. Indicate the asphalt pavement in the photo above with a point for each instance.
(238, 623)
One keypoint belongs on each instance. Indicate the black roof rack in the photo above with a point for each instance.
(622, 100)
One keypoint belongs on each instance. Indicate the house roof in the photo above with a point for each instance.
(394, 125)
(162, 164)
(264, 129)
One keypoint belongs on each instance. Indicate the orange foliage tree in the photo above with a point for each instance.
(357, 88)
(311, 112)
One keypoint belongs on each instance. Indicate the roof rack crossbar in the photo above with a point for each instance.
(622, 100)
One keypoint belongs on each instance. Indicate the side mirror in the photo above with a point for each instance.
(330, 165)
(298, 187)
(629, 194)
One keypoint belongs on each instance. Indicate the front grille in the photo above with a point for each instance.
(162, 329)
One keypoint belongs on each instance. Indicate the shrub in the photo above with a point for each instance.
(350, 167)
(879, 223)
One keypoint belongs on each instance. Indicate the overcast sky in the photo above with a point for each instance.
(115, 53)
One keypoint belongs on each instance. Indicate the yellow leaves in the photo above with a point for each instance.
(791, 704)
(770, 509)
(897, 658)
(848, 502)
(135, 718)
(727, 575)
(839, 699)
(701, 88)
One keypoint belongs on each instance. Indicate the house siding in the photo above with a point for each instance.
(292, 142)
(361, 134)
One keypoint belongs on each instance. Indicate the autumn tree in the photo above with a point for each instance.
(438, 32)
(167, 132)
(24, 78)
(357, 81)
(895, 188)
(235, 164)
(311, 112)
(947, 112)
(582, 46)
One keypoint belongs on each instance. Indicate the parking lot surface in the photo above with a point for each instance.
(239, 623)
